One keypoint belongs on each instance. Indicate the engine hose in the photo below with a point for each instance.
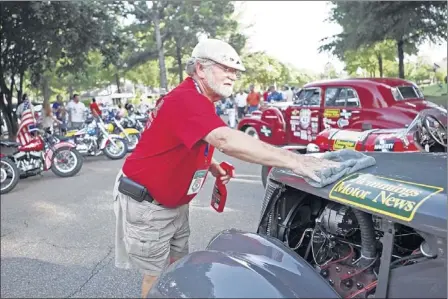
(368, 248)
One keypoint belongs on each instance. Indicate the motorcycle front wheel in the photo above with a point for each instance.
(9, 174)
(116, 152)
(132, 141)
(67, 162)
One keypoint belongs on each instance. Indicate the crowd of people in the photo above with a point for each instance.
(241, 103)
(73, 114)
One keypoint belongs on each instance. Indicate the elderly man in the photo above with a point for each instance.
(171, 161)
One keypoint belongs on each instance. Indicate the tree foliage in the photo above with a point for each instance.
(371, 59)
(41, 36)
(367, 23)
(263, 71)
(172, 29)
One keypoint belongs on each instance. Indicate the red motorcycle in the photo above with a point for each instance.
(45, 152)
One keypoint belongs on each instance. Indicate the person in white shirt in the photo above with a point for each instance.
(230, 105)
(288, 94)
(76, 111)
(241, 102)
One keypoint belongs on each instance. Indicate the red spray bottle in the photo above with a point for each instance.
(219, 195)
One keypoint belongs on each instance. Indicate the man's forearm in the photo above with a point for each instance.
(239, 145)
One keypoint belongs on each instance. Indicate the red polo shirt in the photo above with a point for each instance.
(171, 149)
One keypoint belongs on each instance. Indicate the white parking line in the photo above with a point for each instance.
(236, 180)
(248, 176)
(210, 209)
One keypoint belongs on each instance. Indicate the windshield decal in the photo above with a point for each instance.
(394, 198)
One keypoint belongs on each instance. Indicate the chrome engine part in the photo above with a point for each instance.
(338, 220)
(29, 161)
(86, 144)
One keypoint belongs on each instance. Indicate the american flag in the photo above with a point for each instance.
(27, 124)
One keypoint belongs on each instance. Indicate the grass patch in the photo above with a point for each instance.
(437, 94)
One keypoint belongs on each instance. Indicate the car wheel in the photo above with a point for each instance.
(251, 131)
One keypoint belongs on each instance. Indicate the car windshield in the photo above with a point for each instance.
(438, 112)
(401, 93)
(308, 97)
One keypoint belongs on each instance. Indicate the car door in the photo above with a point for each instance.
(303, 117)
(342, 108)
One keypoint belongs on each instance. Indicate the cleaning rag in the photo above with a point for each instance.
(351, 161)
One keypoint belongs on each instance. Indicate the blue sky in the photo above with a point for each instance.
(291, 31)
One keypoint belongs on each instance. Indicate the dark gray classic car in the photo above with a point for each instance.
(379, 233)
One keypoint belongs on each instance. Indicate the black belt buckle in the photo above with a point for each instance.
(134, 190)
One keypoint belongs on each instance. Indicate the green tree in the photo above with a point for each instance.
(263, 70)
(370, 59)
(173, 28)
(35, 36)
(366, 23)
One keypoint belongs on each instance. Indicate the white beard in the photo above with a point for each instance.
(222, 90)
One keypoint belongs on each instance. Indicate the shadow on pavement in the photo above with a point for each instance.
(31, 278)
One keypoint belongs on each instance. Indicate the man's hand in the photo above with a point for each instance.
(218, 171)
(308, 165)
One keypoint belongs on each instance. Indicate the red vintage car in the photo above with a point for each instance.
(426, 133)
(355, 104)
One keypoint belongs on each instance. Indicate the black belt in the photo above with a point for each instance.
(134, 190)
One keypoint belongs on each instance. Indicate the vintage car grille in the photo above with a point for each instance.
(271, 186)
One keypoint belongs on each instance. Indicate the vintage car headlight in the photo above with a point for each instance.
(312, 148)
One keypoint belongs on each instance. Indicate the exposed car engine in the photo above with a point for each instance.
(343, 244)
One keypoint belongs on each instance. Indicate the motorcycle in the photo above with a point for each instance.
(45, 152)
(93, 139)
(136, 121)
(120, 127)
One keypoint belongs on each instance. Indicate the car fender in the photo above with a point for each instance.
(248, 122)
(277, 136)
(239, 264)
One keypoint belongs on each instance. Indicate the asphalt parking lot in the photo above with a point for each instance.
(57, 234)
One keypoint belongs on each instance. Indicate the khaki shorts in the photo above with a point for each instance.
(147, 235)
